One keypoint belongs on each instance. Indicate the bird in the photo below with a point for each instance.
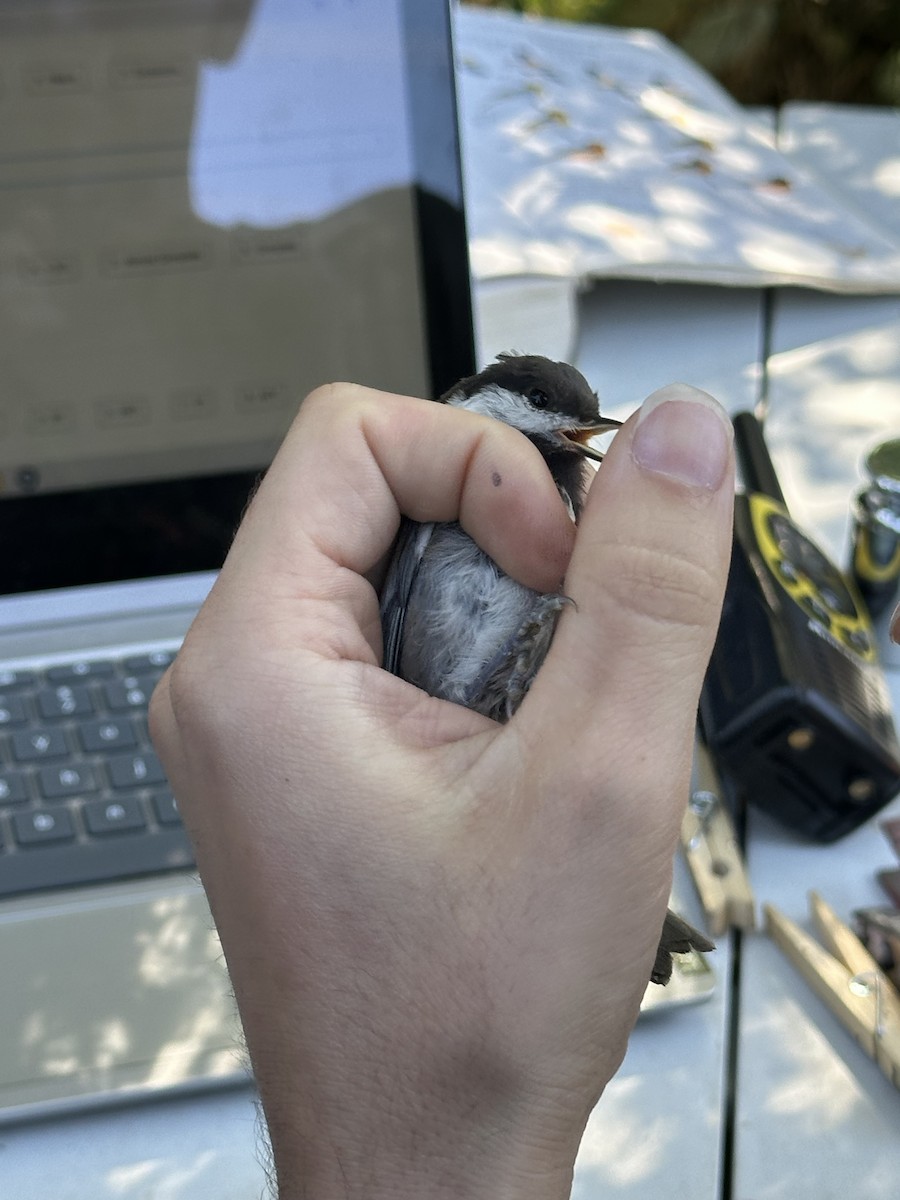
(457, 626)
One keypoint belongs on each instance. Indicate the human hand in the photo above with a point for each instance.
(439, 929)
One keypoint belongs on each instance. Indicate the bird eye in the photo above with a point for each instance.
(538, 399)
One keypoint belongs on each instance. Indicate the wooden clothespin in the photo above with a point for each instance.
(846, 977)
(879, 931)
(713, 855)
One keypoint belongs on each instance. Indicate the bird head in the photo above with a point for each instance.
(550, 402)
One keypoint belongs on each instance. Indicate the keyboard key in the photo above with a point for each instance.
(135, 770)
(156, 660)
(14, 681)
(74, 736)
(13, 711)
(65, 701)
(165, 808)
(72, 672)
(12, 788)
(40, 827)
(33, 745)
(82, 795)
(102, 817)
(132, 692)
(96, 737)
(68, 780)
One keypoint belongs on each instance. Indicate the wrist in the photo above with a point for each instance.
(378, 1123)
(380, 1156)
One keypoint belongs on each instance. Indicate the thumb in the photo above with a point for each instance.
(647, 577)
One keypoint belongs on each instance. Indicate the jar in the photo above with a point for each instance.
(875, 549)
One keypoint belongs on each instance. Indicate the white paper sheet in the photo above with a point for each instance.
(592, 151)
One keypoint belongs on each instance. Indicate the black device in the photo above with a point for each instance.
(795, 706)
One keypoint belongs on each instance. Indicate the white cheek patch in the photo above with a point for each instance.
(511, 408)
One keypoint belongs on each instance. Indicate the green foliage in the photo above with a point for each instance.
(765, 51)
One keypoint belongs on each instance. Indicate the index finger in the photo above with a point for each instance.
(356, 459)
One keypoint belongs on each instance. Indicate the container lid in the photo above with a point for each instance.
(883, 465)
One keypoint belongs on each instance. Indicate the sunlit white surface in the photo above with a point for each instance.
(179, 1150)
(855, 152)
(597, 152)
(834, 393)
(658, 1127)
(814, 1115)
(831, 402)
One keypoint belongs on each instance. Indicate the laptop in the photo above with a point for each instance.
(207, 208)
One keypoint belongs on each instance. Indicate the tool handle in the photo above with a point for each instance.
(757, 468)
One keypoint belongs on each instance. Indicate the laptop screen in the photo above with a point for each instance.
(207, 208)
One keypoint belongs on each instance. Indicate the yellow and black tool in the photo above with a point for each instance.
(795, 708)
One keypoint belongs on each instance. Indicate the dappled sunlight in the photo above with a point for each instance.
(151, 1008)
(666, 1096)
(534, 196)
(809, 1084)
(831, 402)
(772, 251)
(678, 111)
(631, 1143)
(886, 177)
(196, 1048)
(594, 151)
(680, 231)
(175, 948)
(159, 1177)
(856, 152)
(635, 239)
(811, 1102)
(631, 1146)
(674, 197)
(122, 1181)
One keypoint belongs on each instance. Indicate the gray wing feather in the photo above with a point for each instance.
(409, 550)
(458, 627)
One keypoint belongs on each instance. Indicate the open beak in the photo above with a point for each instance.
(580, 438)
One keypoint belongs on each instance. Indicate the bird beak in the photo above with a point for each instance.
(580, 438)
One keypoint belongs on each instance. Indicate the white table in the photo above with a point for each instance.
(811, 1115)
(660, 1127)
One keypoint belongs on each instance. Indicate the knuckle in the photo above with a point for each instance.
(159, 712)
(663, 586)
(333, 402)
(324, 394)
(167, 703)
(182, 705)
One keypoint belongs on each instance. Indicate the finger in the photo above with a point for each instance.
(647, 576)
(355, 459)
(895, 625)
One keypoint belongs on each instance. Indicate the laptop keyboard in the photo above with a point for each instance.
(83, 797)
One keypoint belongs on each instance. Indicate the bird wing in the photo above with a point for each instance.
(409, 550)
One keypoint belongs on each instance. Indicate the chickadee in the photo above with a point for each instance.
(454, 624)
